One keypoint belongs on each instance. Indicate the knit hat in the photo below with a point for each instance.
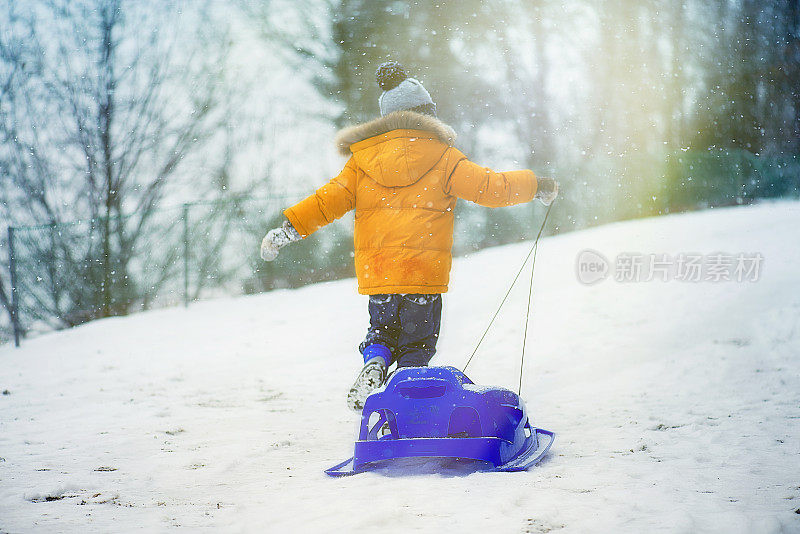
(401, 92)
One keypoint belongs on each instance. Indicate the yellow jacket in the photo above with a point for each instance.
(403, 179)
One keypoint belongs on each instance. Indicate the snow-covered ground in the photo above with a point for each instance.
(676, 405)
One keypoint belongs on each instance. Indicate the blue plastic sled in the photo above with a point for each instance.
(437, 412)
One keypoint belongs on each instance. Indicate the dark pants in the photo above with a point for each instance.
(407, 324)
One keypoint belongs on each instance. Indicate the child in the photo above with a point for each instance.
(403, 179)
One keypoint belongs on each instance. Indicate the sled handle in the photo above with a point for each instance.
(422, 388)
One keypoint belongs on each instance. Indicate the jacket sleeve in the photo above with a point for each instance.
(486, 187)
(330, 202)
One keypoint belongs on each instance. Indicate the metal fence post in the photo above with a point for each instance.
(185, 215)
(14, 298)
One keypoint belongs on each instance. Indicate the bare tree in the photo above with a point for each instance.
(102, 106)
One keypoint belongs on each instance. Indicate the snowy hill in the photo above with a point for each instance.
(676, 405)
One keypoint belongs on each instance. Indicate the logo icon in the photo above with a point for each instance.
(591, 267)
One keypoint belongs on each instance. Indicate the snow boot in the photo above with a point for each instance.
(377, 358)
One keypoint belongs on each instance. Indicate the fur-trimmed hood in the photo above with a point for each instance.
(399, 120)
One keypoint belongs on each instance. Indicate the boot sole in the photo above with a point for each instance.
(370, 378)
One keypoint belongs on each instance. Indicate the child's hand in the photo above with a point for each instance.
(547, 190)
(277, 238)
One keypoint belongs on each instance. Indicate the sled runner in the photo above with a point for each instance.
(437, 412)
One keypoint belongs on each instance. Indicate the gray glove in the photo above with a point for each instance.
(276, 239)
(547, 190)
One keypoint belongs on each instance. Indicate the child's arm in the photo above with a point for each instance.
(330, 202)
(492, 189)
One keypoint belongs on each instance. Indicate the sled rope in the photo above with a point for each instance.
(531, 252)
(530, 294)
